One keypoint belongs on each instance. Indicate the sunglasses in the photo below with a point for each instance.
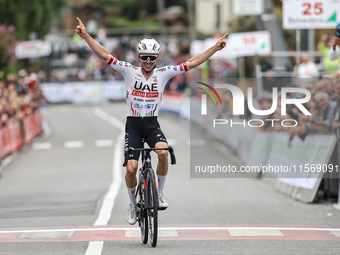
(145, 58)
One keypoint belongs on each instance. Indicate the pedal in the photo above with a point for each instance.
(162, 208)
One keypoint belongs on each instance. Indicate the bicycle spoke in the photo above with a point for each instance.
(142, 217)
(152, 208)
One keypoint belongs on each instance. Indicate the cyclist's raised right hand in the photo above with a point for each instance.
(81, 30)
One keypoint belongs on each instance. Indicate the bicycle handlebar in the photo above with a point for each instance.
(129, 150)
(126, 156)
(172, 155)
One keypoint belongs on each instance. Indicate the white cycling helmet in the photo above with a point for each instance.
(148, 46)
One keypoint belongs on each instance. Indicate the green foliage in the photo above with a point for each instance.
(133, 12)
(30, 16)
(243, 24)
(7, 46)
(129, 9)
(125, 22)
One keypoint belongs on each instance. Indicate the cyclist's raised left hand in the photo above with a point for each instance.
(221, 43)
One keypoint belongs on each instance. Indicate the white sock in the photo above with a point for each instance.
(161, 182)
(131, 192)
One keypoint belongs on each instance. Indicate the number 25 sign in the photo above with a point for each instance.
(310, 14)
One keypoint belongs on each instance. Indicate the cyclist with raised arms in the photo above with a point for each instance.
(144, 91)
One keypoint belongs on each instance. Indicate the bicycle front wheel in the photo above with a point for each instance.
(152, 207)
(142, 212)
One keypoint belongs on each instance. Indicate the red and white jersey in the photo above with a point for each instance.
(143, 95)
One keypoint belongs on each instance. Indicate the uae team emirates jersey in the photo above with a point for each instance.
(143, 95)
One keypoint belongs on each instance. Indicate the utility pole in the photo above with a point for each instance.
(191, 10)
(160, 4)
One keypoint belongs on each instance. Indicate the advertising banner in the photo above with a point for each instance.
(33, 49)
(248, 7)
(83, 92)
(310, 14)
(238, 45)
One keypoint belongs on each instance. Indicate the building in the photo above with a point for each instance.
(212, 15)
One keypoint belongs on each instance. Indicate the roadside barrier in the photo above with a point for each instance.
(12, 138)
(308, 162)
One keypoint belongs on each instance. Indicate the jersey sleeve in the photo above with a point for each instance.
(334, 54)
(172, 71)
(120, 66)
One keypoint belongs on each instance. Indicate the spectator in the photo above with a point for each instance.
(328, 65)
(336, 120)
(307, 70)
(319, 86)
(334, 52)
(327, 112)
(102, 34)
(328, 87)
(321, 121)
(337, 90)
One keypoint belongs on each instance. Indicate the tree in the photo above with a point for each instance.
(136, 9)
(30, 16)
(7, 46)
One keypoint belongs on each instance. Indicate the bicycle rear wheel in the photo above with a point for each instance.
(152, 207)
(142, 212)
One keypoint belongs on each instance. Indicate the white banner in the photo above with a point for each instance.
(238, 45)
(310, 14)
(250, 44)
(33, 49)
(248, 7)
(83, 92)
(87, 94)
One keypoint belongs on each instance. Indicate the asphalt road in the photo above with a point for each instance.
(65, 194)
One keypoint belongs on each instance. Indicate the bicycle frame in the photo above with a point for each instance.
(147, 205)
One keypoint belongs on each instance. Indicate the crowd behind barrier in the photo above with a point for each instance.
(20, 111)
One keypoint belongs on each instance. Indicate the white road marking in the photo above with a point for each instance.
(46, 127)
(161, 233)
(197, 142)
(95, 248)
(73, 144)
(108, 203)
(336, 233)
(336, 230)
(47, 235)
(9, 159)
(41, 146)
(172, 142)
(255, 232)
(336, 206)
(103, 143)
(104, 116)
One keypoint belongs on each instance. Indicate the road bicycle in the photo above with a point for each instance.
(146, 193)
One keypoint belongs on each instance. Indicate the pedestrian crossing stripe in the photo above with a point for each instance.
(121, 233)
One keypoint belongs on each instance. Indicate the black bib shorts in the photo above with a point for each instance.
(137, 128)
